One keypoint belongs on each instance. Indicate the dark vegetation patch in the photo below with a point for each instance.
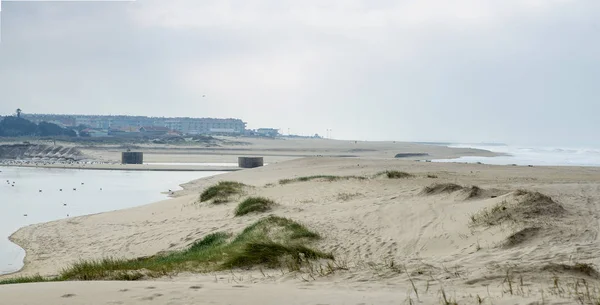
(440, 188)
(521, 237)
(272, 241)
(347, 196)
(526, 207)
(327, 178)
(254, 204)
(24, 279)
(473, 192)
(222, 191)
(578, 269)
(396, 174)
(18, 127)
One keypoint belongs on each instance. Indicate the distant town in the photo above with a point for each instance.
(139, 126)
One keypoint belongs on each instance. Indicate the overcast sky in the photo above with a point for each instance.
(513, 71)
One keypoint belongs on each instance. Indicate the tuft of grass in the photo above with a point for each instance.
(25, 279)
(221, 192)
(492, 216)
(327, 178)
(272, 241)
(396, 174)
(254, 204)
(347, 196)
(439, 188)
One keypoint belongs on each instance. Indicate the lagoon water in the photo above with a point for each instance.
(96, 191)
(531, 155)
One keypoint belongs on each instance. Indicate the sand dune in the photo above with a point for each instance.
(496, 242)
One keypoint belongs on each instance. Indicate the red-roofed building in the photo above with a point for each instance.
(154, 130)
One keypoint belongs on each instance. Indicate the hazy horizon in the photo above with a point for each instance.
(521, 72)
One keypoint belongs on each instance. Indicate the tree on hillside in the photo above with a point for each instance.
(17, 127)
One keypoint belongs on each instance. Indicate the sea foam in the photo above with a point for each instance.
(523, 155)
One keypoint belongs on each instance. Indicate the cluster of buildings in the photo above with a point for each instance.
(120, 125)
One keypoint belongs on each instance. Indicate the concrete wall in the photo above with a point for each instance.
(131, 157)
(250, 162)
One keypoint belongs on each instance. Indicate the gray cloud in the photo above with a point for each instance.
(521, 71)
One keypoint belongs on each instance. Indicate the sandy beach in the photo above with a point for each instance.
(397, 241)
(274, 150)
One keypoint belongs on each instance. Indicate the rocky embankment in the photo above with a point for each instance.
(39, 152)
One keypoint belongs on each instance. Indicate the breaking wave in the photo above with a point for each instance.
(549, 156)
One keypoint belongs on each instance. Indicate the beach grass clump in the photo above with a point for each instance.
(272, 242)
(327, 178)
(347, 196)
(254, 204)
(396, 174)
(439, 188)
(222, 191)
(112, 269)
(25, 279)
(288, 230)
(270, 254)
(525, 208)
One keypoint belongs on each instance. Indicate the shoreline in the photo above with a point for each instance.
(133, 167)
(167, 195)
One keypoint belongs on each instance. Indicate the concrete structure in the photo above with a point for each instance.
(250, 162)
(130, 157)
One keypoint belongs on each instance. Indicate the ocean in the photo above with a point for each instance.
(532, 155)
(33, 195)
